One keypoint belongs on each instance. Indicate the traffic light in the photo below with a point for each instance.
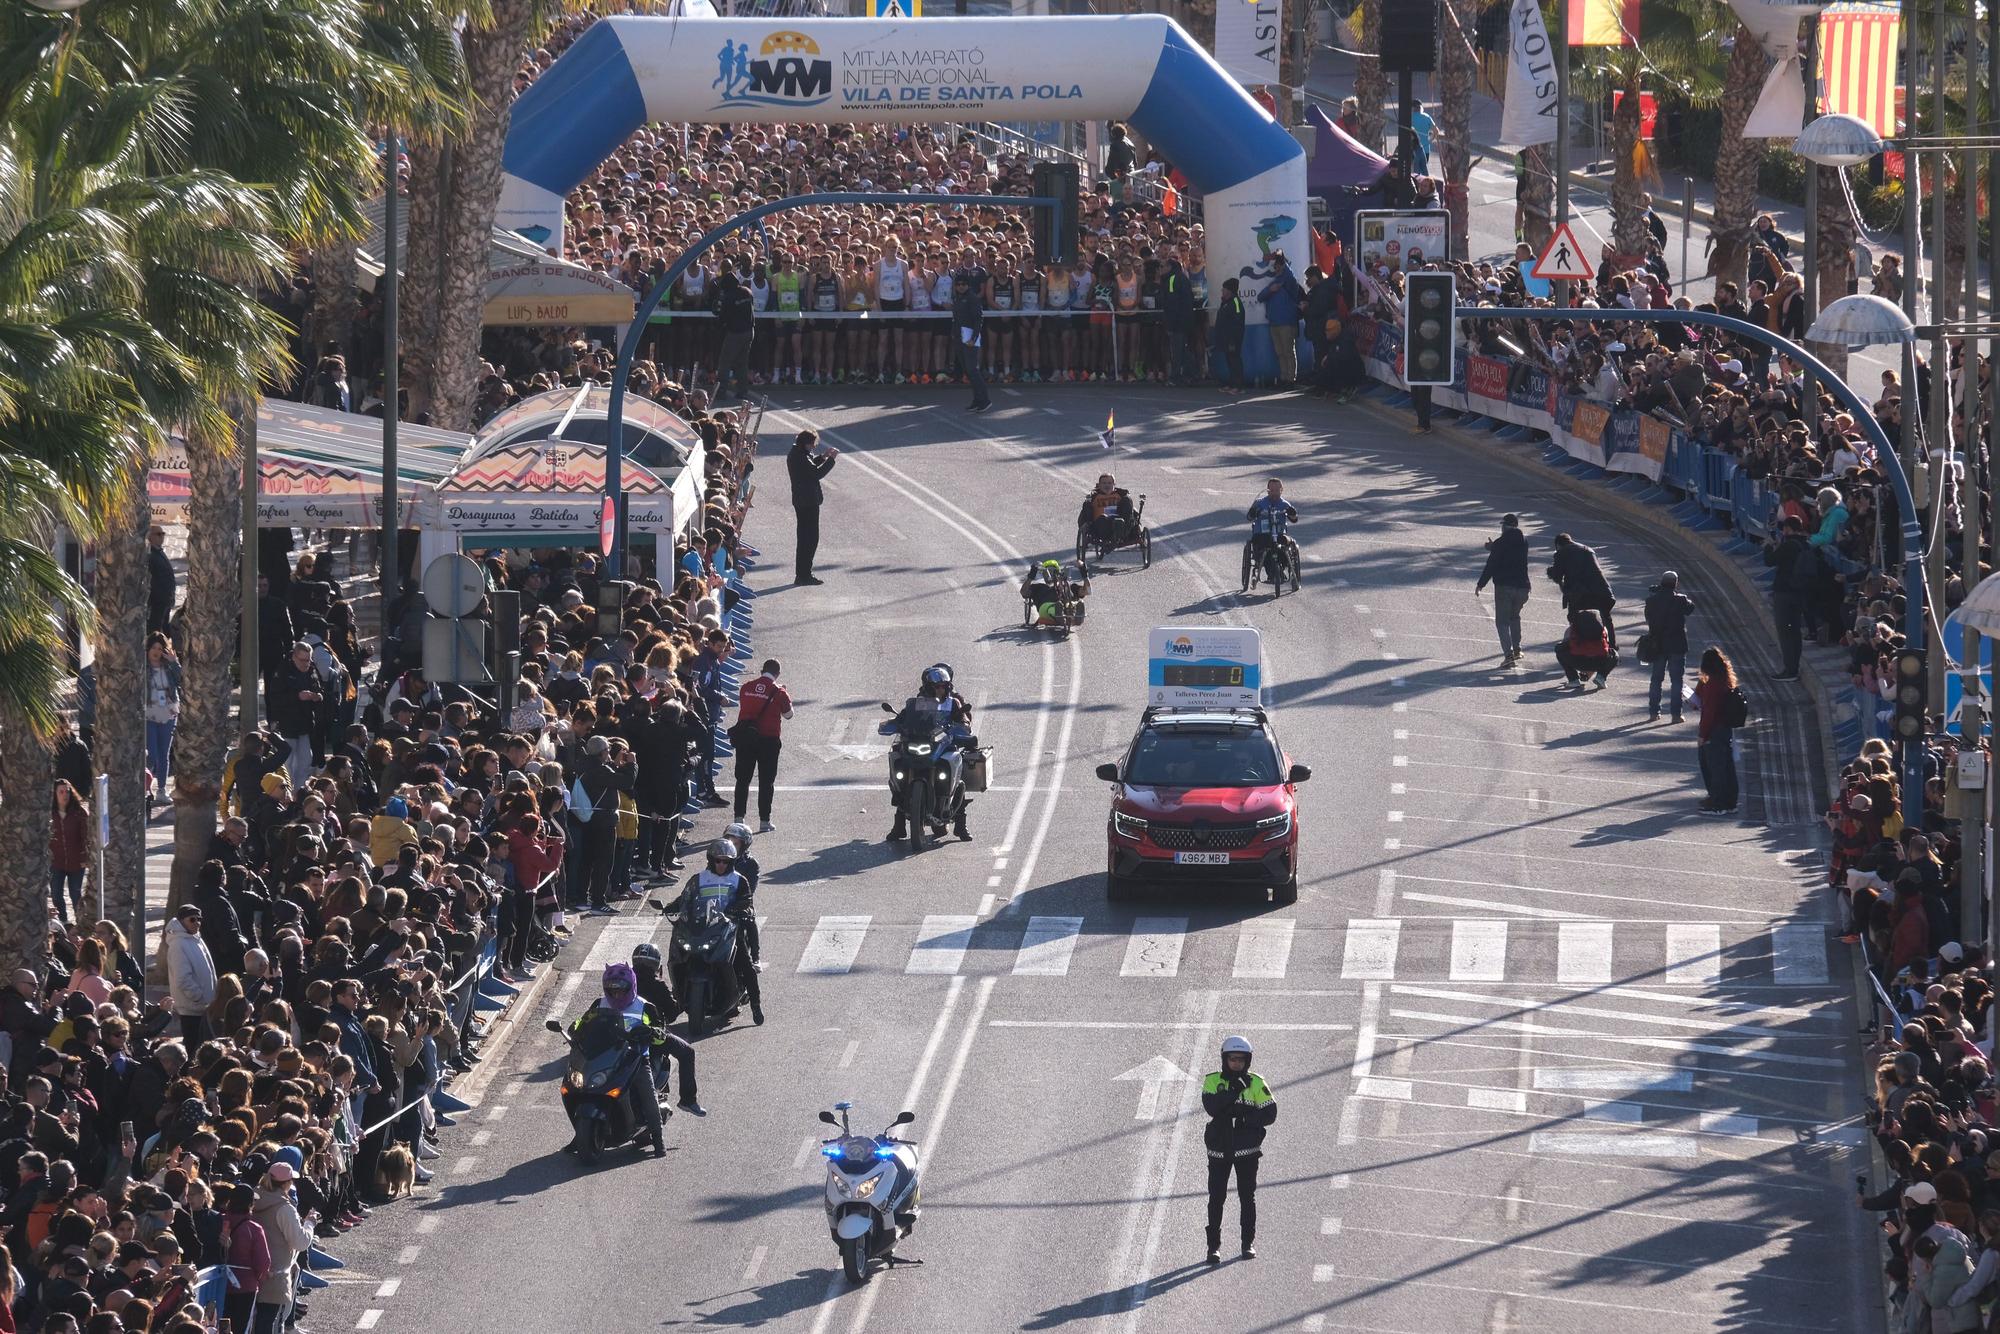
(1428, 327)
(1055, 228)
(1912, 689)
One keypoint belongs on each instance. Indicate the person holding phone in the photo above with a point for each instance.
(807, 464)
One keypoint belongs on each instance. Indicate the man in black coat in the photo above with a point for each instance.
(1228, 332)
(1507, 570)
(1575, 571)
(806, 464)
(1798, 568)
(274, 637)
(1178, 308)
(295, 705)
(160, 597)
(663, 742)
(602, 783)
(1667, 612)
(968, 320)
(736, 311)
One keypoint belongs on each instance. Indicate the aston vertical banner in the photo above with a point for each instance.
(1249, 34)
(1531, 115)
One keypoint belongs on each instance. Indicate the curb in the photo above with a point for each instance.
(501, 1030)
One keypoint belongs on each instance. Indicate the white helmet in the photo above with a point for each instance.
(739, 834)
(1236, 1046)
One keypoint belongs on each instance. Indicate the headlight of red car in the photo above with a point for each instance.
(1128, 826)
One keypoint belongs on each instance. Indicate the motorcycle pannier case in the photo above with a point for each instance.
(975, 770)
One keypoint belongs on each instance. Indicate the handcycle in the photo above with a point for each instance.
(1131, 533)
(1280, 565)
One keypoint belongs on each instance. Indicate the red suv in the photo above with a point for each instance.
(1204, 795)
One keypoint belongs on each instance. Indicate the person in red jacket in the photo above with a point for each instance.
(1718, 756)
(1910, 934)
(69, 849)
(534, 856)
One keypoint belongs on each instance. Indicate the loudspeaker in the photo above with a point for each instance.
(1410, 36)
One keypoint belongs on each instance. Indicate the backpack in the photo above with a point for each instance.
(1735, 708)
(580, 804)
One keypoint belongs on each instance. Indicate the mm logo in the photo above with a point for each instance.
(785, 72)
(1182, 647)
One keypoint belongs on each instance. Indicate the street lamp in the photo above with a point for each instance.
(1836, 140)
(1861, 321)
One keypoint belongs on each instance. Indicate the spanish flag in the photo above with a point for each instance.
(1104, 436)
(1603, 22)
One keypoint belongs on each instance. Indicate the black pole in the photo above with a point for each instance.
(392, 260)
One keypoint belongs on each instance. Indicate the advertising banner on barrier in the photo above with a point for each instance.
(1535, 389)
(1486, 378)
(1401, 239)
(1623, 437)
(1588, 420)
(1654, 436)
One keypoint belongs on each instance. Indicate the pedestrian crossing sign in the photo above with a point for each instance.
(899, 9)
(1562, 257)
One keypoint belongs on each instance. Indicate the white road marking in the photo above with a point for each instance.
(1583, 952)
(834, 945)
(1694, 953)
(941, 944)
(408, 1255)
(429, 1223)
(1798, 955)
(1609, 1079)
(370, 1318)
(1478, 950)
(1154, 947)
(1492, 906)
(1628, 1112)
(1382, 1088)
(1728, 1123)
(1371, 949)
(756, 1263)
(1263, 948)
(388, 1288)
(849, 1052)
(1612, 1146)
(805, 1152)
(1496, 1100)
(1047, 945)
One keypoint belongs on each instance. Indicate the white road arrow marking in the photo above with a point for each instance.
(1154, 1076)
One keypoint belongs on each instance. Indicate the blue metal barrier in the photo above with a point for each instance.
(1682, 470)
(1717, 471)
(1754, 506)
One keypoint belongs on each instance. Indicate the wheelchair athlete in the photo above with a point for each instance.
(1056, 597)
(1108, 515)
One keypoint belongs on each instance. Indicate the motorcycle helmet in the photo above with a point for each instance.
(722, 850)
(1235, 1046)
(939, 675)
(739, 834)
(646, 958)
(620, 980)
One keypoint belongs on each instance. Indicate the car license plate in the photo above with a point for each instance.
(1202, 858)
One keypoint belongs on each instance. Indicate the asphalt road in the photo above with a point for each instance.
(1551, 1052)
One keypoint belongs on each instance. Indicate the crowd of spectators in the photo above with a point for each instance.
(380, 839)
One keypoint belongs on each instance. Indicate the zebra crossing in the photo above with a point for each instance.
(1696, 955)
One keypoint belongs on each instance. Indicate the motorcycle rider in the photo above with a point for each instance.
(721, 880)
(746, 866)
(642, 1024)
(1107, 512)
(936, 696)
(653, 989)
(1239, 1106)
(1269, 513)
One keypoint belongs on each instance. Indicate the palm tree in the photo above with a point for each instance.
(1676, 44)
(1457, 71)
(1371, 85)
(1737, 161)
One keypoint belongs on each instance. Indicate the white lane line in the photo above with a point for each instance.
(1493, 906)
(388, 1288)
(805, 1152)
(941, 944)
(481, 1138)
(1154, 948)
(1612, 1146)
(1046, 946)
(1608, 1079)
(1694, 953)
(1628, 1112)
(756, 1263)
(1761, 1048)
(1798, 956)
(429, 1223)
(1478, 950)
(1496, 1100)
(1263, 948)
(370, 1318)
(1382, 1088)
(497, 1113)
(1567, 1008)
(1579, 894)
(1583, 952)
(834, 945)
(1728, 1123)
(847, 1055)
(408, 1255)
(1371, 949)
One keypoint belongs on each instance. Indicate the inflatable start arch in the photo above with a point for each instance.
(1141, 68)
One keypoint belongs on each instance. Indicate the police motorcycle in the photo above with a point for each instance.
(934, 763)
(597, 1095)
(873, 1192)
(701, 955)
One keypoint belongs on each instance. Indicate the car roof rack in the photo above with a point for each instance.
(1169, 712)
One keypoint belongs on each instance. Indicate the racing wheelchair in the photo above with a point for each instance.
(1280, 565)
(1052, 599)
(1134, 534)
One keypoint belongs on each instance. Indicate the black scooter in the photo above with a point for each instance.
(597, 1089)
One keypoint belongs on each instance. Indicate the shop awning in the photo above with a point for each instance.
(548, 486)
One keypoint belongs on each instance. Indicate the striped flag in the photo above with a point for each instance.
(1603, 22)
(1104, 436)
(1857, 62)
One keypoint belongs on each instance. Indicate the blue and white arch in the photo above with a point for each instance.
(626, 71)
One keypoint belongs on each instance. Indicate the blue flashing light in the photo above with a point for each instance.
(885, 1151)
(829, 1150)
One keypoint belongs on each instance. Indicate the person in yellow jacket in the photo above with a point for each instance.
(1240, 1106)
(389, 831)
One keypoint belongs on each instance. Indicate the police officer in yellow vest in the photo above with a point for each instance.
(1239, 1106)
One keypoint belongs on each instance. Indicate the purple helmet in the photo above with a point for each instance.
(619, 978)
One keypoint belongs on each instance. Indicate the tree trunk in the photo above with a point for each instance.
(1628, 210)
(24, 843)
(118, 746)
(1952, 299)
(1736, 163)
(336, 275)
(1538, 199)
(491, 54)
(1454, 136)
(1836, 257)
(417, 298)
(1371, 85)
(208, 685)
